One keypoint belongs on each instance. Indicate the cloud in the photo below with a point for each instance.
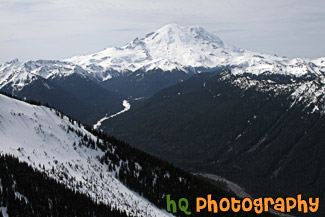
(33, 29)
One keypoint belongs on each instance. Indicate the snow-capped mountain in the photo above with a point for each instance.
(172, 47)
(50, 142)
(190, 49)
(144, 66)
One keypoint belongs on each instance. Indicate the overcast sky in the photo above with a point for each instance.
(58, 29)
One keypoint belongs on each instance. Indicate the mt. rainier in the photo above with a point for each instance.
(172, 47)
(190, 49)
(141, 68)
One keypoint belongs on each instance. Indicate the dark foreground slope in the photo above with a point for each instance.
(255, 135)
(42, 196)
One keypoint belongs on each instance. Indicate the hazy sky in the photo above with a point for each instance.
(57, 29)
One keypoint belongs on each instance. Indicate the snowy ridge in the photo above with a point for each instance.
(47, 141)
(3, 210)
(310, 93)
(18, 75)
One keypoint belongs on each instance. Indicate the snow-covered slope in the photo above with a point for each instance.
(49, 142)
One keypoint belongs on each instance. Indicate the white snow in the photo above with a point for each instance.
(308, 92)
(3, 210)
(20, 196)
(127, 107)
(36, 135)
(47, 86)
(18, 75)
(138, 98)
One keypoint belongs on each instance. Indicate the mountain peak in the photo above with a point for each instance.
(187, 34)
(190, 49)
(172, 47)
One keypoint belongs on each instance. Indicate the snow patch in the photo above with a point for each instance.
(47, 86)
(21, 197)
(3, 210)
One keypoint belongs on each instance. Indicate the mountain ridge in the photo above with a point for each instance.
(147, 65)
(172, 47)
